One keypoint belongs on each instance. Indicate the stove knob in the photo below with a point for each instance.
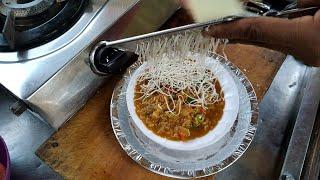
(106, 60)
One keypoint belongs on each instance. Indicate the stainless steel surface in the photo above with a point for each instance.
(29, 8)
(24, 72)
(311, 169)
(23, 135)
(196, 163)
(72, 86)
(66, 92)
(278, 110)
(301, 135)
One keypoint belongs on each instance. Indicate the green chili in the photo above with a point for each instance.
(198, 120)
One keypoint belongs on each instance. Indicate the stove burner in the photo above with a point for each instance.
(24, 8)
(30, 23)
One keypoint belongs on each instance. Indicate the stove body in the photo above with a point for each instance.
(54, 79)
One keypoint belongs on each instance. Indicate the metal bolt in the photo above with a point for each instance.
(18, 108)
(287, 177)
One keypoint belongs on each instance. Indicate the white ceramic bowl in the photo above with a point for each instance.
(224, 125)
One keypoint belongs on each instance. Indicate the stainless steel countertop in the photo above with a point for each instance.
(23, 135)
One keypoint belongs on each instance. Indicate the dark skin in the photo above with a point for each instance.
(299, 37)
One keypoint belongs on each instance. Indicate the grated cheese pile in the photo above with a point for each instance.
(172, 69)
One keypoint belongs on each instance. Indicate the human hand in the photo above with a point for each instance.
(299, 37)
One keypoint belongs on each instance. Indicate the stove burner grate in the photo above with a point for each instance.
(24, 8)
(25, 30)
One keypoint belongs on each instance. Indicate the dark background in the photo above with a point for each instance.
(279, 4)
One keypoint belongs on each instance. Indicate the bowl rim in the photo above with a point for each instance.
(230, 113)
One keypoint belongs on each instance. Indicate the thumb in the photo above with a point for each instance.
(261, 30)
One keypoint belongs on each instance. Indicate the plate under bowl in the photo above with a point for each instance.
(191, 164)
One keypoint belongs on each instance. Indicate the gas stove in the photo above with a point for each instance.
(30, 23)
(45, 47)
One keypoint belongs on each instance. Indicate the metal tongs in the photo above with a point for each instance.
(108, 57)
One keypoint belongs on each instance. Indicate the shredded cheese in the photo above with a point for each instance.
(172, 69)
